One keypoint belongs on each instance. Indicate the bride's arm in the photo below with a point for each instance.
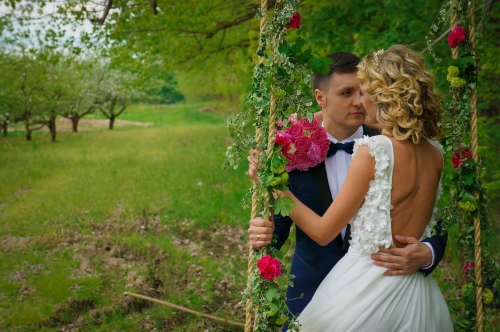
(324, 229)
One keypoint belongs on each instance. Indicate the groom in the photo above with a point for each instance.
(338, 95)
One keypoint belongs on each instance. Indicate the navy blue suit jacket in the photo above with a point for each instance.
(312, 262)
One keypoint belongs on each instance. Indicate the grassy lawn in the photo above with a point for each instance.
(141, 209)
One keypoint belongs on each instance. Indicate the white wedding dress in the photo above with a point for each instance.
(355, 296)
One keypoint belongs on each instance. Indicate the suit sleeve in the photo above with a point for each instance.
(281, 230)
(438, 243)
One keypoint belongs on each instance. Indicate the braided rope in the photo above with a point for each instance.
(475, 156)
(453, 23)
(255, 204)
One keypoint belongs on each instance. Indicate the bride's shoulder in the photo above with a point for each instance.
(374, 143)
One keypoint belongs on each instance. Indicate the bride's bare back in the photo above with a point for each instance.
(415, 179)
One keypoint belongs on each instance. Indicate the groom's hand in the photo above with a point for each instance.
(260, 232)
(404, 261)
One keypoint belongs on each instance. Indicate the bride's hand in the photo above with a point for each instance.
(253, 158)
(260, 232)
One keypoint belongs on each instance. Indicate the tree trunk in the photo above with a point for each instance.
(52, 128)
(74, 122)
(28, 131)
(4, 130)
(111, 122)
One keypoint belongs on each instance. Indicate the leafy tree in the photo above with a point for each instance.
(117, 92)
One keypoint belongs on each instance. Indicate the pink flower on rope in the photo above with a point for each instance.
(467, 268)
(269, 267)
(295, 21)
(456, 36)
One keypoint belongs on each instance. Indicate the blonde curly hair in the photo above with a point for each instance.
(397, 81)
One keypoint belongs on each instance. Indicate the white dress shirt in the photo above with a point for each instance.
(336, 172)
(338, 164)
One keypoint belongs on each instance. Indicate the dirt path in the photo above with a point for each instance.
(64, 124)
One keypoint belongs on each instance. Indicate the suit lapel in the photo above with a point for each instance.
(325, 194)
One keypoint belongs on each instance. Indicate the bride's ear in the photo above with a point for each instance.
(320, 98)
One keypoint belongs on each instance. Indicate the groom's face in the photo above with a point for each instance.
(341, 103)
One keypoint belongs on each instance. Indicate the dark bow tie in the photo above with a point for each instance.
(334, 147)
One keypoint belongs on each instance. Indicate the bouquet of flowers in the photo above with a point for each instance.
(305, 143)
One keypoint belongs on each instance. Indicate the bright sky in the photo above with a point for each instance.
(45, 21)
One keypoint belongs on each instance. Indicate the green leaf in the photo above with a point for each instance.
(469, 179)
(272, 293)
(283, 206)
(320, 65)
(284, 48)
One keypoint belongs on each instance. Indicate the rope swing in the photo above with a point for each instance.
(475, 156)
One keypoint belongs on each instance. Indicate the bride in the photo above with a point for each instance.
(392, 187)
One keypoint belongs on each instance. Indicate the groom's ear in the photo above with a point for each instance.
(320, 98)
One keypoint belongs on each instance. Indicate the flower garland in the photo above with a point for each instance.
(278, 88)
(467, 195)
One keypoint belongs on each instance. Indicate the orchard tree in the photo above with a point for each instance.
(118, 90)
(85, 95)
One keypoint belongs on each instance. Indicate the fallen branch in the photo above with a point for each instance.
(218, 319)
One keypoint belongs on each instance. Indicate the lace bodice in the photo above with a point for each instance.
(371, 225)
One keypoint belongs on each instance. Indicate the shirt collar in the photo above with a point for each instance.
(357, 134)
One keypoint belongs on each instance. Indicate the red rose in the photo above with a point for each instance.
(302, 143)
(301, 157)
(456, 36)
(295, 130)
(319, 136)
(290, 154)
(467, 267)
(309, 125)
(295, 21)
(466, 154)
(269, 267)
(456, 160)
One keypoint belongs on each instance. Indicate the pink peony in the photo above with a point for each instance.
(283, 139)
(269, 267)
(456, 36)
(302, 143)
(295, 130)
(295, 21)
(315, 154)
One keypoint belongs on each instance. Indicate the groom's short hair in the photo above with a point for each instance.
(343, 62)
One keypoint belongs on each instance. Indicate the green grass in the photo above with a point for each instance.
(174, 115)
(93, 188)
